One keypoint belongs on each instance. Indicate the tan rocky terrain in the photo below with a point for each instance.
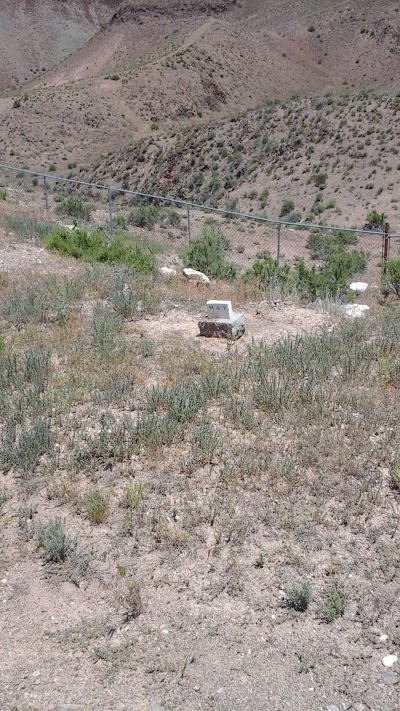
(160, 65)
(191, 524)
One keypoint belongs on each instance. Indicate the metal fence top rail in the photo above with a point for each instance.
(188, 204)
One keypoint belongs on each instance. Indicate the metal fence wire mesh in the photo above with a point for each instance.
(170, 223)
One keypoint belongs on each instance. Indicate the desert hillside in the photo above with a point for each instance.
(35, 35)
(157, 66)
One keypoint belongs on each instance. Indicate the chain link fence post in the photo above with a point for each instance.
(189, 224)
(278, 244)
(46, 196)
(110, 212)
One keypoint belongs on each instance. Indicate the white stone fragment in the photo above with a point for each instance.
(167, 272)
(389, 660)
(355, 310)
(359, 286)
(194, 275)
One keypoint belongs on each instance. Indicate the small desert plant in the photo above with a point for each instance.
(147, 346)
(298, 596)
(133, 495)
(131, 599)
(266, 271)
(375, 220)
(391, 279)
(287, 207)
(106, 326)
(51, 537)
(322, 244)
(334, 603)
(96, 504)
(3, 193)
(74, 207)
(207, 252)
(395, 477)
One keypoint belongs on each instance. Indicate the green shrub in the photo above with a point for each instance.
(207, 252)
(52, 538)
(298, 596)
(375, 220)
(320, 180)
(147, 216)
(96, 505)
(322, 244)
(332, 278)
(392, 277)
(334, 603)
(74, 207)
(3, 193)
(91, 247)
(287, 207)
(294, 216)
(266, 271)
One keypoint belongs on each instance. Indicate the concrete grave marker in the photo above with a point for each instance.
(222, 322)
(220, 309)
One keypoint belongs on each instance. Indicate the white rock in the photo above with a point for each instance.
(355, 310)
(69, 227)
(389, 660)
(167, 272)
(359, 286)
(383, 638)
(194, 275)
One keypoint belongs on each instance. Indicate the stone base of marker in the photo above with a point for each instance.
(231, 329)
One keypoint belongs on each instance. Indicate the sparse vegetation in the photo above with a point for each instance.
(207, 252)
(92, 247)
(334, 603)
(74, 207)
(298, 596)
(52, 539)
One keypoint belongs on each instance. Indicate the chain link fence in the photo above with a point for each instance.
(167, 224)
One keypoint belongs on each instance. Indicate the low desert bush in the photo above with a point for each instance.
(287, 207)
(74, 207)
(334, 603)
(207, 252)
(322, 244)
(51, 537)
(91, 247)
(375, 220)
(96, 504)
(266, 271)
(298, 596)
(391, 278)
(147, 216)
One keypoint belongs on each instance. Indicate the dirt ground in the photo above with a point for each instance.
(214, 632)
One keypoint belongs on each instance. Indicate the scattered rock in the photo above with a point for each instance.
(389, 678)
(355, 310)
(223, 328)
(332, 708)
(383, 638)
(167, 272)
(389, 660)
(359, 286)
(194, 275)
